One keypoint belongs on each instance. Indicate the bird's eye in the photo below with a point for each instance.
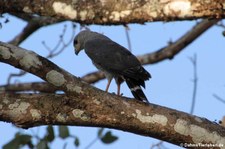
(75, 42)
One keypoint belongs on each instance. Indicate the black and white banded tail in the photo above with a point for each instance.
(135, 87)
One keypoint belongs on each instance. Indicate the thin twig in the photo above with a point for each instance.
(219, 98)
(128, 37)
(91, 143)
(11, 75)
(195, 82)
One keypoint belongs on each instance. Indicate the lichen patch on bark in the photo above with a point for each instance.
(4, 52)
(56, 78)
(64, 9)
(29, 60)
(36, 114)
(77, 113)
(74, 88)
(18, 108)
(198, 134)
(156, 118)
(61, 117)
(177, 8)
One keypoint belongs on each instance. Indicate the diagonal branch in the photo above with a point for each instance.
(41, 67)
(33, 25)
(173, 49)
(162, 54)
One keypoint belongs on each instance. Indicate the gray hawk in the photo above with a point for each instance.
(114, 60)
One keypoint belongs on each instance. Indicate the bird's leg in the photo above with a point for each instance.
(108, 84)
(119, 80)
(118, 89)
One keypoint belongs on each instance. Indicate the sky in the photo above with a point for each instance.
(171, 84)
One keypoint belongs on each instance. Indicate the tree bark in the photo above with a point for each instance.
(118, 11)
(85, 105)
(29, 110)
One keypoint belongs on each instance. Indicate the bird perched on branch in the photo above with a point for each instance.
(114, 60)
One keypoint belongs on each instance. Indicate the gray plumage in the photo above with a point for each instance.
(114, 60)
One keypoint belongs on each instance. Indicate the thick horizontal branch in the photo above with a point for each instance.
(109, 111)
(118, 11)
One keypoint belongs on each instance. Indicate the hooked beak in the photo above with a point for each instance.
(77, 52)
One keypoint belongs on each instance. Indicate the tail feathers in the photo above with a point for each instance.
(136, 90)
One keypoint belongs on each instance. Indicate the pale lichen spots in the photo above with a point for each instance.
(64, 9)
(181, 127)
(61, 117)
(5, 101)
(180, 8)
(13, 105)
(122, 112)
(104, 19)
(198, 119)
(133, 114)
(74, 88)
(198, 134)
(18, 108)
(36, 114)
(77, 113)
(96, 101)
(116, 15)
(27, 9)
(55, 78)
(126, 104)
(153, 14)
(29, 60)
(223, 5)
(125, 13)
(83, 15)
(4, 52)
(156, 118)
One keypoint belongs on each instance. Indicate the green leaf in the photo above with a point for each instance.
(13, 144)
(18, 141)
(108, 138)
(100, 131)
(42, 144)
(76, 142)
(63, 132)
(50, 134)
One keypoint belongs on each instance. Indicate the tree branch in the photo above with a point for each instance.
(85, 105)
(109, 111)
(41, 67)
(118, 12)
(33, 25)
(173, 49)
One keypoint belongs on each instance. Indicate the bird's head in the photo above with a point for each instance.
(79, 41)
